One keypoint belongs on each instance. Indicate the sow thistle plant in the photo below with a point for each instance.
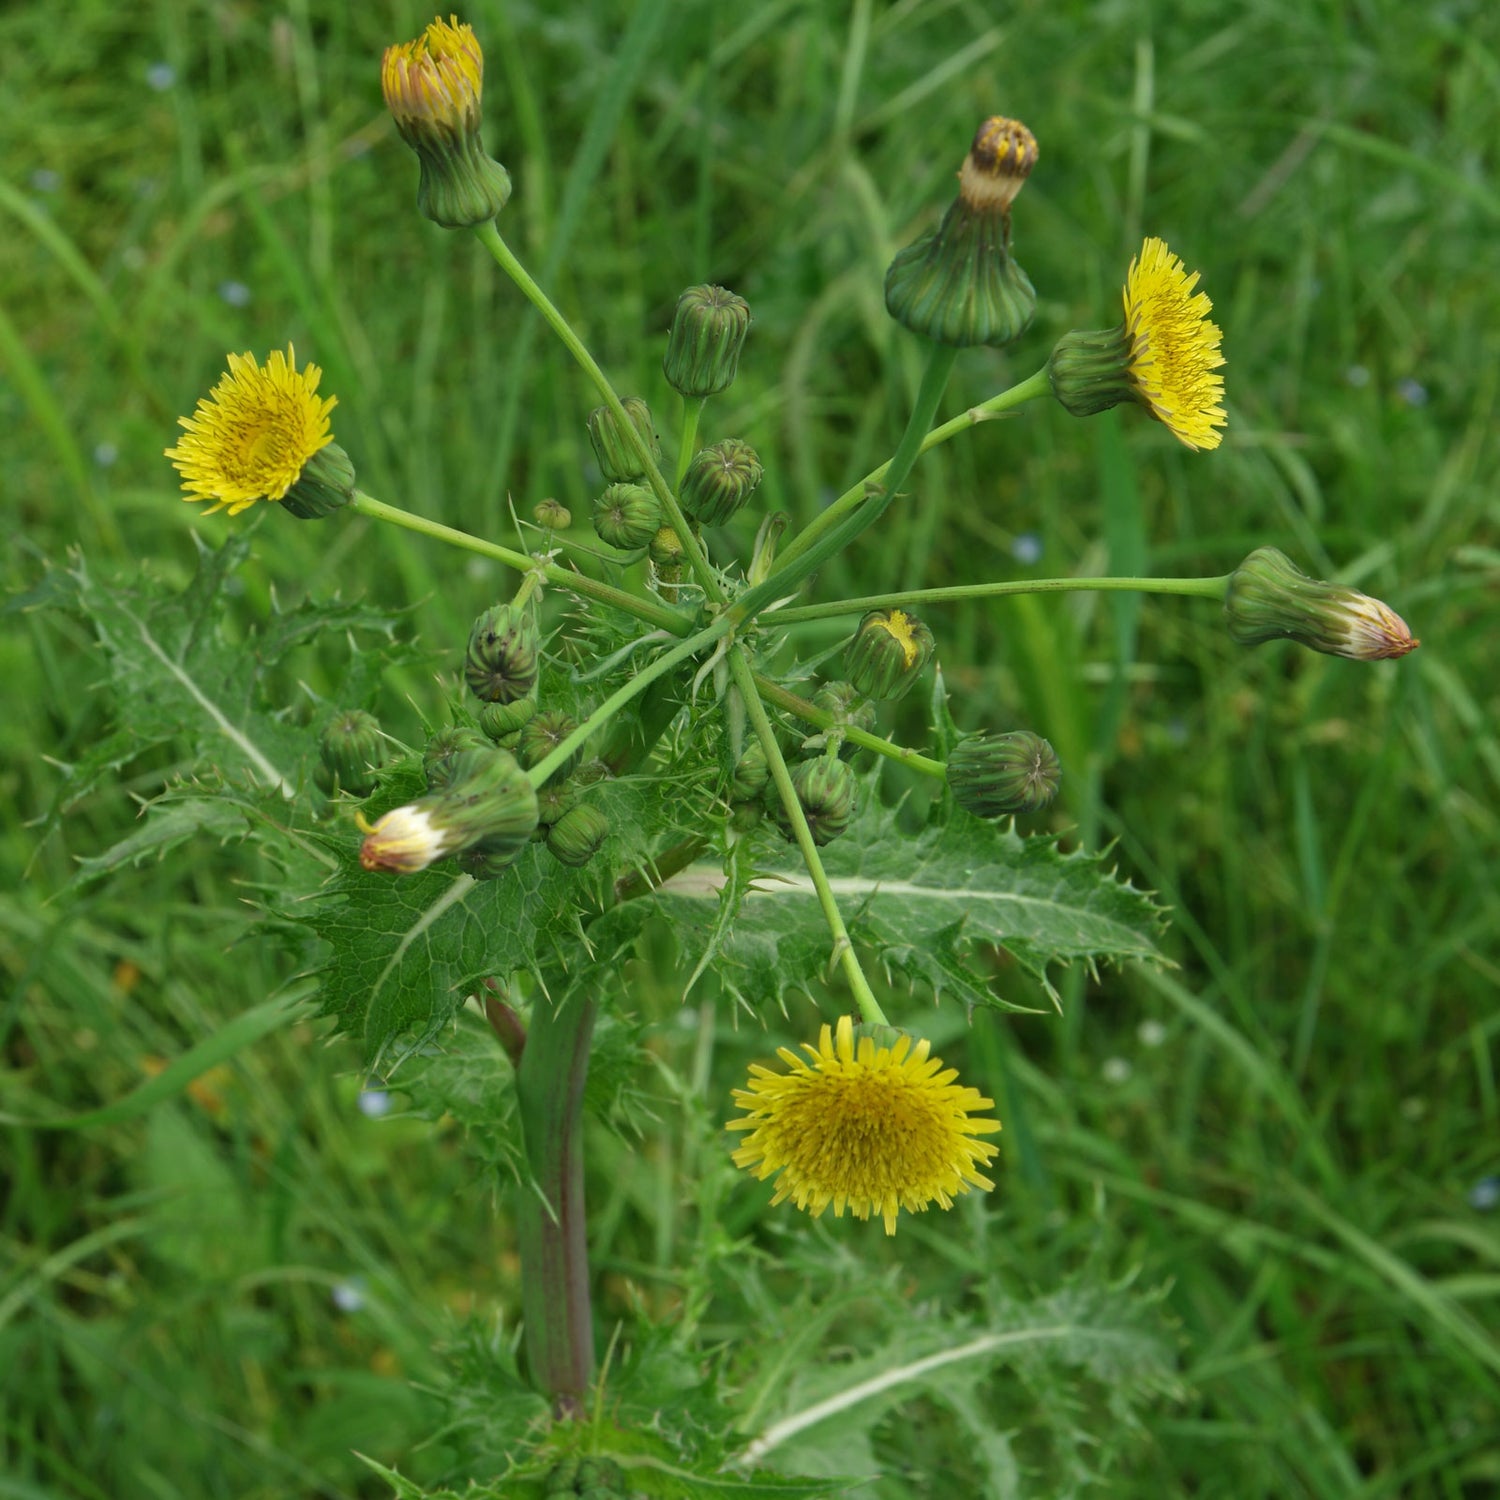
(663, 752)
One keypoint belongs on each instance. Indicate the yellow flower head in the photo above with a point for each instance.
(436, 80)
(251, 438)
(1174, 349)
(875, 1130)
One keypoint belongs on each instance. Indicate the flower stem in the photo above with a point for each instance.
(505, 257)
(773, 692)
(550, 1225)
(579, 583)
(1205, 588)
(843, 946)
(622, 695)
(798, 561)
(1017, 395)
(692, 409)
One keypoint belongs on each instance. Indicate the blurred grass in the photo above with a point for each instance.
(1286, 1131)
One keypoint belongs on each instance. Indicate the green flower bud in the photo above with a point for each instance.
(751, 773)
(504, 647)
(326, 484)
(627, 516)
(616, 454)
(719, 480)
(440, 758)
(887, 653)
(541, 736)
(958, 284)
(498, 720)
(666, 550)
(578, 835)
(703, 349)
(488, 806)
(552, 801)
(552, 515)
(1269, 597)
(351, 748)
(826, 790)
(992, 775)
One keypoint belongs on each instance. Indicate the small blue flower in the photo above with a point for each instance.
(1485, 1194)
(1413, 392)
(374, 1103)
(1027, 549)
(235, 293)
(45, 180)
(349, 1294)
(106, 455)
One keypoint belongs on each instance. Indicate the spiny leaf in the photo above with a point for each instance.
(935, 907)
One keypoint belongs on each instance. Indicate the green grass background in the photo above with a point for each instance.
(1282, 1137)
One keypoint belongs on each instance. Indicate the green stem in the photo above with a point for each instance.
(490, 237)
(692, 409)
(1205, 588)
(551, 1229)
(1017, 395)
(808, 559)
(773, 692)
(843, 946)
(544, 769)
(579, 583)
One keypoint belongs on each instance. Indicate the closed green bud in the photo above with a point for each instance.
(552, 515)
(719, 480)
(552, 801)
(489, 807)
(958, 284)
(351, 748)
(1270, 598)
(617, 455)
(666, 549)
(326, 484)
(440, 758)
(498, 720)
(887, 653)
(503, 656)
(992, 775)
(578, 835)
(542, 735)
(703, 348)
(627, 516)
(826, 790)
(751, 773)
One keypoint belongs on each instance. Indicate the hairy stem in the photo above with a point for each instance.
(843, 946)
(1205, 588)
(578, 583)
(550, 1223)
(505, 257)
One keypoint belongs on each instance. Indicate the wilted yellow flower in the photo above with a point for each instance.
(433, 87)
(251, 438)
(1164, 356)
(876, 1129)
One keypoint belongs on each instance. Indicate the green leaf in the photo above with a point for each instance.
(937, 907)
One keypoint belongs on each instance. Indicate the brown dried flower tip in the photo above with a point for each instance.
(997, 166)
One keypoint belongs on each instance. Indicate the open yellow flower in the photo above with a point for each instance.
(251, 438)
(1174, 349)
(876, 1129)
(1164, 356)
